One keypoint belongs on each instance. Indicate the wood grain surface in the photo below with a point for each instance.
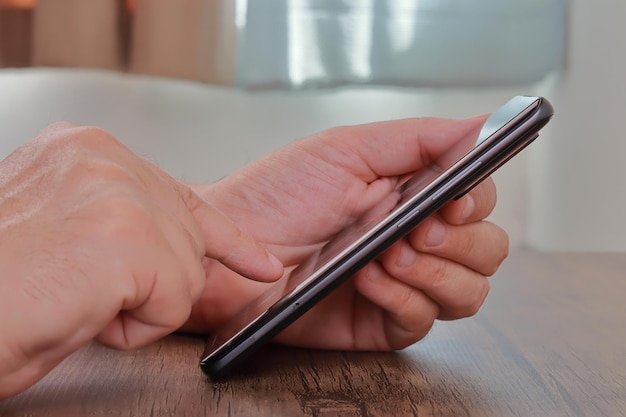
(550, 341)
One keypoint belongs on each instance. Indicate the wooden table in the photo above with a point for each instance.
(550, 341)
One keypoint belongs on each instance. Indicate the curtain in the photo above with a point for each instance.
(192, 39)
(293, 44)
(425, 43)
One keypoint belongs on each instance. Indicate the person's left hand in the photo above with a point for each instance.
(295, 199)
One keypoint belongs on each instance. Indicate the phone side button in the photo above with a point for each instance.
(404, 221)
(462, 175)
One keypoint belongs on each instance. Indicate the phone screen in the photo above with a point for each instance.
(461, 167)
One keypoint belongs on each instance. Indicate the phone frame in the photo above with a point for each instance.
(505, 133)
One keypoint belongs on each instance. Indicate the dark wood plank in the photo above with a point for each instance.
(550, 341)
(15, 37)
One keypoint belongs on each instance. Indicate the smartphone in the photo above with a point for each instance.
(505, 133)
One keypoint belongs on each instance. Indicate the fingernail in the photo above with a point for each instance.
(406, 257)
(370, 272)
(468, 209)
(436, 233)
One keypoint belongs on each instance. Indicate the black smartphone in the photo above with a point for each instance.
(506, 132)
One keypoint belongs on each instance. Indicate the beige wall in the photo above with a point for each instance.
(578, 182)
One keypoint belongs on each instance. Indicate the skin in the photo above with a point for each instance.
(97, 243)
(295, 199)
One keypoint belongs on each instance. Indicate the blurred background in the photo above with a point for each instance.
(202, 87)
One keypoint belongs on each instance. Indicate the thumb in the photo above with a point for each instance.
(409, 144)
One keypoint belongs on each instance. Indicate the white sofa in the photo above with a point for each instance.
(199, 132)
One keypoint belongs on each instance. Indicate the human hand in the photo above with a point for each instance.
(297, 198)
(96, 242)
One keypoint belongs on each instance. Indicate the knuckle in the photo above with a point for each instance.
(505, 246)
(421, 327)
(470, 305)
(427, 272)
(468, 245)
(124, 217)
(408, 329)
(197, 279)
(501, 247)
(191, 200)
(476, 303)
(94, 132)
(93, 170)
(96, 137)
(435, 271)
(404, 302)
(74, 133)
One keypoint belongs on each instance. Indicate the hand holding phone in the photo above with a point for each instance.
(506, 132)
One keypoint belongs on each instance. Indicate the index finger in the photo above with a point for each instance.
(227, 243)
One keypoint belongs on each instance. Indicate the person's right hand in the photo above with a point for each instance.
(96, 242)
(299, 197)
